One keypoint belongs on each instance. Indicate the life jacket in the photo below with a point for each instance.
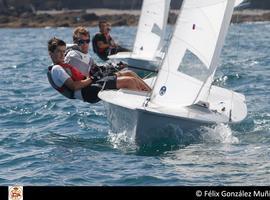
(73, 73)
(82, 61)
(85, 57)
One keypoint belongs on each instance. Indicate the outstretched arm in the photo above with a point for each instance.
(76, 85)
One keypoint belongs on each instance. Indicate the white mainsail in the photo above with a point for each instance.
(151, 29)
(200, 31)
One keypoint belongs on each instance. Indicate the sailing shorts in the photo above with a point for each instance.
(90, 93)
(108, 82)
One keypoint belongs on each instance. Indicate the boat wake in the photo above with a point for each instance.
(220, 133)
(121, 140)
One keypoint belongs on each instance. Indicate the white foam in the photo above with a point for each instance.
(120, 140)
(220, 133)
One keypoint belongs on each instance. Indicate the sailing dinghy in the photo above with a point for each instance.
(183, 97)
(147, 49)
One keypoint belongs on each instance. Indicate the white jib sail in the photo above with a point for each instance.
(151, 29)
(194, 51)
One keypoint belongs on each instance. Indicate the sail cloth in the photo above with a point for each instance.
(151, 29)
(200, 30)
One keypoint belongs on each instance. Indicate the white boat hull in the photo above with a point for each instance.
(145, 128)
(126, 112)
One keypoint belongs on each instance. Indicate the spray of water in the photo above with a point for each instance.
(121, 140)
(220, 133)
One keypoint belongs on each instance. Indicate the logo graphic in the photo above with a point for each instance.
(162, 90)
(15, 193)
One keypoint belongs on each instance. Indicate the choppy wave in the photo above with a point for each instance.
(46, 139)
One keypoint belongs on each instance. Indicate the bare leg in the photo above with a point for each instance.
(131, 83)
(133, 74)
(127, 73)
(141, 82)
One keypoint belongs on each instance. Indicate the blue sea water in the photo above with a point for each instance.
(46, 139)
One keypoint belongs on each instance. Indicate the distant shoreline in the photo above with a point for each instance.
(104, 11)
(90, 17)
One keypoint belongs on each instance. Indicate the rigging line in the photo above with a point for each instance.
(153, 82)
(165, 47)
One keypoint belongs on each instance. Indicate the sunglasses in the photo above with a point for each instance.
(81, 42)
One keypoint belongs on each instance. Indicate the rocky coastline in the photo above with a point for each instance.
(90, 18)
